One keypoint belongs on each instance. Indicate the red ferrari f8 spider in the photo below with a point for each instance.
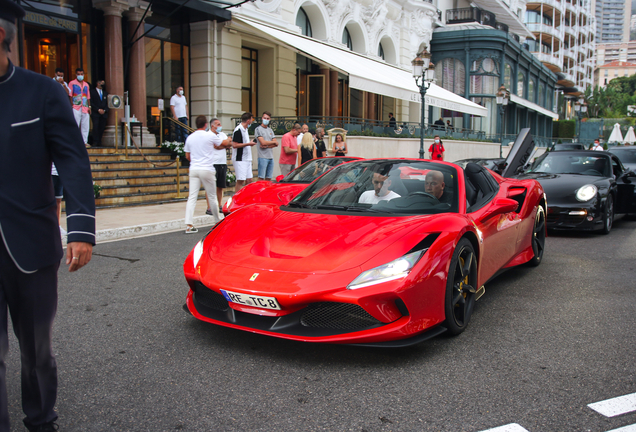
(283, 190)
(384, 252)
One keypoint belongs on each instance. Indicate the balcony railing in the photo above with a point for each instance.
(354, 125)
(471, 14)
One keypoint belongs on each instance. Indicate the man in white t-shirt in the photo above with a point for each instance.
(220, 142)
(242, 152)
(597, 145)
(179, 108)
(380, 192)
(199, 150)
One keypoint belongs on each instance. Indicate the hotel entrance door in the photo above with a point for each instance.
(45, 50)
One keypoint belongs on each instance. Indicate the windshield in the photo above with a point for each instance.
(384, 186)
(571, 163)
(313, 169)
(626, 156)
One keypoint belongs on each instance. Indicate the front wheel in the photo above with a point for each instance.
(538, 237)
(460, 287)
(608, 215)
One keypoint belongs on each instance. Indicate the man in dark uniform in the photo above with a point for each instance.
(99, 111)
(37, 130)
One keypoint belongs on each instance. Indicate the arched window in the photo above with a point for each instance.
(381, 51)
(520, 84)
(302, 21)
(450, 74)
(508, 76)
(346, 39)
(531, 90)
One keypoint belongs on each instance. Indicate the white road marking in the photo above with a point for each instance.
(512, 427)
(630, 428)
(616, 406)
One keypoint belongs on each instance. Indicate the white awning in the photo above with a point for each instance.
(533, 106)
(365, 73)
(505, 15)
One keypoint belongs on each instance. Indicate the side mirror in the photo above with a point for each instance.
(502, 206)
(279, 178)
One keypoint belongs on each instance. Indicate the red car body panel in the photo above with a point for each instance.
(303, 258)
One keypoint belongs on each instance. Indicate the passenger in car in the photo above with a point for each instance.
(434, 184)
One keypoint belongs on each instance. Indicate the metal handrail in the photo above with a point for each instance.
(176, 122)
(355, 124)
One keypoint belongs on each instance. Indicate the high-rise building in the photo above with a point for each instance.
(613, 20)
(564, 40)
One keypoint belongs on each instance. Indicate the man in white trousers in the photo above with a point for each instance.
(199, 150)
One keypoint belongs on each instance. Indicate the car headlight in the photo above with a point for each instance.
(196, 253)
(396, 269)
(586, 193)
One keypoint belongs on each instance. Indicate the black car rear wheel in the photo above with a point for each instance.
(538, 237)
(608, 215)
(461, 287)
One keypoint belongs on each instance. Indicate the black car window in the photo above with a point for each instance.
(481, 187)
(617, 167)
(572, 163)
(625, 155)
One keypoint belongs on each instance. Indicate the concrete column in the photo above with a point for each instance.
(328, 84)
(333, 94)
(137, 66)
(114, 61)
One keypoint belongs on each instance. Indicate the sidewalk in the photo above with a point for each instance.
(130, 222)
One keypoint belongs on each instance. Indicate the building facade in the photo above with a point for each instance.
(613, 18)
(607, 72)
(338, 59)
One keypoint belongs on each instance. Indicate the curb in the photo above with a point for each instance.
(143, 230)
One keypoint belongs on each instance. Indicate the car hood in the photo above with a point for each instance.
(560, 187)
(268, 238)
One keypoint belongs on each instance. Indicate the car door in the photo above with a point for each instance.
(625, 199)
(498, 230)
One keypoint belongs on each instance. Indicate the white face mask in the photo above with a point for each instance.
(436, 141)
(80, 78)
(219, 129)
(180, 92)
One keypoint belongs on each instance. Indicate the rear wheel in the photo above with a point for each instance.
(608, 215)
(460, 287)
(538, 237)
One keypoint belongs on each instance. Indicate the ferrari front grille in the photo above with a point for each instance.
(339, 316)
(208, 298)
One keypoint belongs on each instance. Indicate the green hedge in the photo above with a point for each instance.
(564, 129)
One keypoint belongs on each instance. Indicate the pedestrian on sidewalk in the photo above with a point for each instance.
(289, 150)
(179, 109)
(242, 152)
(221, 142)
(199, 150)
(40, 129)
(266, 143)
(79, 92)
(436, 150)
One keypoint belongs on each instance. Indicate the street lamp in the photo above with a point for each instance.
(503, 96)
(580, 108)
(424, 74)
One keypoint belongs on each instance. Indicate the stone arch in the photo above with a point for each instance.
(389, 47)
(318, 17)
(359, 35)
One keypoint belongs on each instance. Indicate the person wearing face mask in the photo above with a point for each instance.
(79, 92)
(99, 109)
(436, 150)
(321, 149)
(220, 141)
(266, 143)
(179, 108)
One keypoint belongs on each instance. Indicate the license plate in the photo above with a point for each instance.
(251, 300)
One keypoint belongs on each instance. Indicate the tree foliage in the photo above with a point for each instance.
(611, 101)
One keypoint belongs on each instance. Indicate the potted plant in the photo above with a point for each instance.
(97, 190)
(230, 178)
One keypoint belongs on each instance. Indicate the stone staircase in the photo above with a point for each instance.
(131, 180)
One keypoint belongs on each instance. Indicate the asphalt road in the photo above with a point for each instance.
(542, 345)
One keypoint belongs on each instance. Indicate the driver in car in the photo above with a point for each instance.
(434, 185)
(380, 192)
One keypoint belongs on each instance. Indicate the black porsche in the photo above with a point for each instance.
(585, 189)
